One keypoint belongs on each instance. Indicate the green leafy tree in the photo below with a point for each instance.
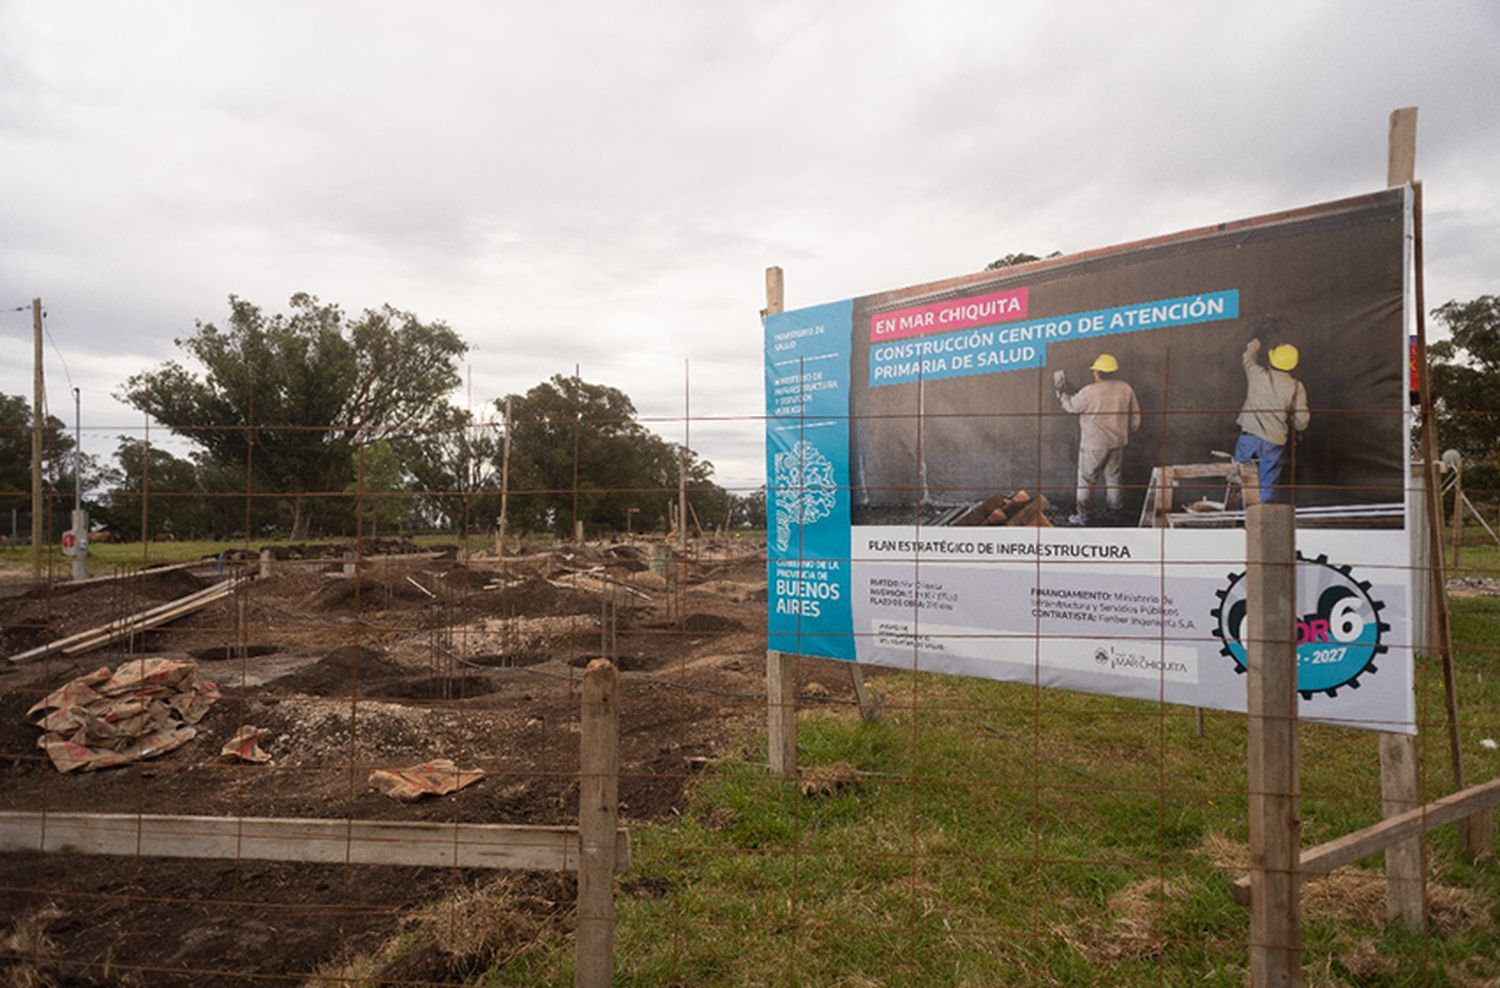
(234, 510)
(57, 461)
(290, 396)
(454, 467)
(1466, 386)
(1011, 260)
(620, 464)
(711, 504)
(380, 488)
(750, 509)
(151, 487)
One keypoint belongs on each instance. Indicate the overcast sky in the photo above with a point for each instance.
(603, 184)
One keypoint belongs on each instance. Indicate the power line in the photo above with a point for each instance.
(57, 350)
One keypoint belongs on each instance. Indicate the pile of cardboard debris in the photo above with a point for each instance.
(144, 708)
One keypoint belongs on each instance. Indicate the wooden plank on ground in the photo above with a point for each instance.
(153, 619)
(1412, 824)
(140, 621)
(397, 842)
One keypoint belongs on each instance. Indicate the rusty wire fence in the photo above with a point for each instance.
(357, 757)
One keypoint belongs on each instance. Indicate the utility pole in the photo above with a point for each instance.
(36, 439)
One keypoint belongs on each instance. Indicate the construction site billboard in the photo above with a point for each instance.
(1040, 473)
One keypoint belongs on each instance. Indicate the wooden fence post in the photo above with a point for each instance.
(598, 818)
(781, 712)
(1405, 890)
(1275, 827)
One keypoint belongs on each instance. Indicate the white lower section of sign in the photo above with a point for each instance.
(1146, 613)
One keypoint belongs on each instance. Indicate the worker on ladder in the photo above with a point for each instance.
(1108, 413)
(1275, 410)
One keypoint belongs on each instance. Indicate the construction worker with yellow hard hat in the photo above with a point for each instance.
(1275, 409)
(1283, 357)
(1108, 413)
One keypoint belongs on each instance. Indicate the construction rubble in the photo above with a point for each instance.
(144, 708)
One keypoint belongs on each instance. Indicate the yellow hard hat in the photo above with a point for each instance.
(1106, 363)
(1284, 357)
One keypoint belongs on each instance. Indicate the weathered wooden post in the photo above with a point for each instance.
(1275, 826)
(598, 818)
(265, 564)
(1399, 788)
(781, 668)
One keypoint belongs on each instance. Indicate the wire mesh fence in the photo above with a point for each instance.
(354, 756)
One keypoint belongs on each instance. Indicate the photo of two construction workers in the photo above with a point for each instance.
(1273, 412)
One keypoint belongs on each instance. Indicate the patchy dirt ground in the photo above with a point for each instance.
(407, 660)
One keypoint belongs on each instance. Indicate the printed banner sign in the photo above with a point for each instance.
(1040, 474)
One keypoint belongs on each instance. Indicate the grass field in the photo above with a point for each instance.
(1005, 838)
(991, 834)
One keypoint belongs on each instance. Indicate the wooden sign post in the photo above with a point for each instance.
(1400, 789)
(781, 667)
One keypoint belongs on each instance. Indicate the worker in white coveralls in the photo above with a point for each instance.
(1108, 413)
(1275, 410)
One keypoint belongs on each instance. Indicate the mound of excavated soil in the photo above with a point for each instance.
(336, 673)
(142, 587)
(534, 597)
(437, 688)
(368, 593)
(455, 578)
(626, 661)
(24, 634)
(711, 622)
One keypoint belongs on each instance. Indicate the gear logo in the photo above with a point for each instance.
(1339, 630)
(805, 489)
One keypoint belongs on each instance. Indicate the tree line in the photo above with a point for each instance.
(317, 422)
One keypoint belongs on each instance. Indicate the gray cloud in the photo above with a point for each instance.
(603, 185)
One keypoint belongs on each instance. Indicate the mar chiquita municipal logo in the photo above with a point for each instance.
(1339, 630)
